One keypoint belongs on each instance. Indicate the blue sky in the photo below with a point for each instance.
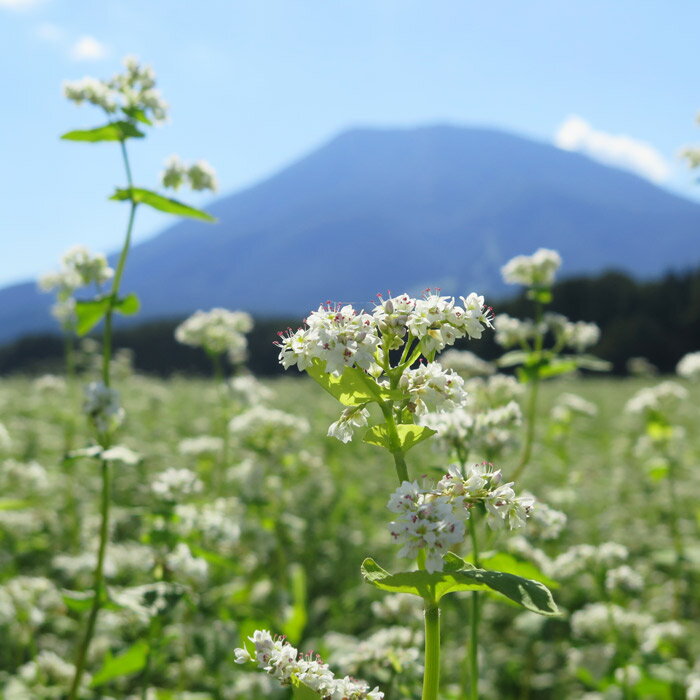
(254, 84)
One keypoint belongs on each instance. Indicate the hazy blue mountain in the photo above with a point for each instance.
(378, 209)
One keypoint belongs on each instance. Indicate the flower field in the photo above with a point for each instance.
(204, 549)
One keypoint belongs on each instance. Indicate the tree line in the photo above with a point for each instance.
(657, 319)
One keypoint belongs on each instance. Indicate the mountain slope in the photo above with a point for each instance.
(401, 209)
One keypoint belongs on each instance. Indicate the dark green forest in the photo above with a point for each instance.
(658, 320)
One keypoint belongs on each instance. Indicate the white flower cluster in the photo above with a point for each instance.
(569, 405)
(689, 366)
(199, 175)
(351, 418)
(282, 661)
(101, 405)
(149, 600)
(342, 337)
(536, 270)
(267, 427)
(513, 331)
(596, 619)
(432, 388)
(217, 522)
(174, 485)
(391, 648)
(79, 268)
(657, 399)
(217, 331)
(623, 578)
(246, 389)
(185, 565)
(466, 363)
(548, 523)
(135, 88)
(45, 676)
(578, 335)
(200, 445)
(433, 519)
(583, 557)
(487, 422)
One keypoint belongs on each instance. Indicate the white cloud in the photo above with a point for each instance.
(19, 4)
(87, 48)
(46, 31)
(576, 134)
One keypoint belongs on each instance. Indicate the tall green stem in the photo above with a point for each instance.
(474, 619)
(531, 417)
(677, 537)
(431, 678)
(98, 585)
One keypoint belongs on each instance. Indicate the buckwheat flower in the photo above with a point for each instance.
(392, 316)
(513, 331)
(466, 363)
(5, 439)
(548, 523)
(174, 485)
(297, 348)
(175, 173)
(431, 388)
(200, 445)
(185, 565)
(693, 680)
(248, 390)
(536, 270)
(688, 366)
(282, 661)
(623, 578)
(216, 331)
(477, 316)
(505, 509)
(342, 337)
(629, 675)
(89, 267)
(658, 398)
(661, 632)
(581, 335)
(351, 418)
(569, 405)
(92, 91)
(50, 383)
(611, 554)
(101, 405)
(202, 176)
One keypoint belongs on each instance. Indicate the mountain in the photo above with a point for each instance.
(398, 209)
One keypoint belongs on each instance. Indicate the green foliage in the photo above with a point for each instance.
(116, 131)
(130, 661)
(408, 436)
(459, 576)
(90, 313)
(161, 203)
(352, 388)
(301, 691)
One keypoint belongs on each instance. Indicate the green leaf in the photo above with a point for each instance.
(409, 435)
(295, 624)
(301, 691)
(14, 504)
(557, 367)
(129, 305)
(78, 601)
(116, 131)
(507, 563)
(124, 664)
(514, 357)
(593, 363)
(138, 114)
(532, 595)
(541, 294)
(161, 203)
(90, 313)
(352, 388)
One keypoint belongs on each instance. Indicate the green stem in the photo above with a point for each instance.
(396, 451)
(677, 537)
(532, 399)
(431, 678)
(98, 585)
(474, 619)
